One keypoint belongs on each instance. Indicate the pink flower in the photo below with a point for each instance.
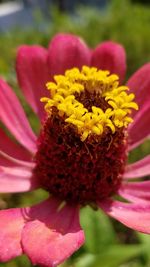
(49, 232)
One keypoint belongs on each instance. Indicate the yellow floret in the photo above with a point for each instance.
(62, 96)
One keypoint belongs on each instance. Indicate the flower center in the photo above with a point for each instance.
(82, 145)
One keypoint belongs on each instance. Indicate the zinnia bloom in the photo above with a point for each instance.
(89, 124)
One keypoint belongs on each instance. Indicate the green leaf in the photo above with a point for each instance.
(86, 261)
(98, 229)
(112, 257)
(145, 240)
(17, 262)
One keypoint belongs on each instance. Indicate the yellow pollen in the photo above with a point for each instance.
(62, 96)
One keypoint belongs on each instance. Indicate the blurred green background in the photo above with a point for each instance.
(108, 243)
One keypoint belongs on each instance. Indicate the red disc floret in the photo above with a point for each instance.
(77, 171)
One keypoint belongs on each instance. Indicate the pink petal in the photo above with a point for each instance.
(137, 192)
(67, 51)
(9, 161)
(11, 224)
(140, 128)
(139, 84)
(33, 73)
(53, 234)
(135, 216)
(12, 148)
(13, 116)
(131, 198)
(16, 179)
(110, 56)
(138, 169)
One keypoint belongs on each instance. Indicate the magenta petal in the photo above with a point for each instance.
(33, 73)
(16, 179)
(140, 128)
(110, 56)
(138, 169)
(13, 116)
(135, 216)
(13, 149)
(11, 224)
(67, 51)
(139, 84)
(137, 192)
(53, 234)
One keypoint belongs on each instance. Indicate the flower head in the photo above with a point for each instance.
(90, 123)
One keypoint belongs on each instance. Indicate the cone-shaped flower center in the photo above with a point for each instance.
(82, 146)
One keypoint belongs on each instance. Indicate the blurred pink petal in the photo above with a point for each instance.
(135, 216)
(110, 56)
(9, 161)
(131, 198)
(139, 84)
(67, 51)
(13, 116)
(16, 179)
(137, 192)
(13, 149)
(139, 130)
(138, 169)
(11, 224)
(33, 73)
(53, 234)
